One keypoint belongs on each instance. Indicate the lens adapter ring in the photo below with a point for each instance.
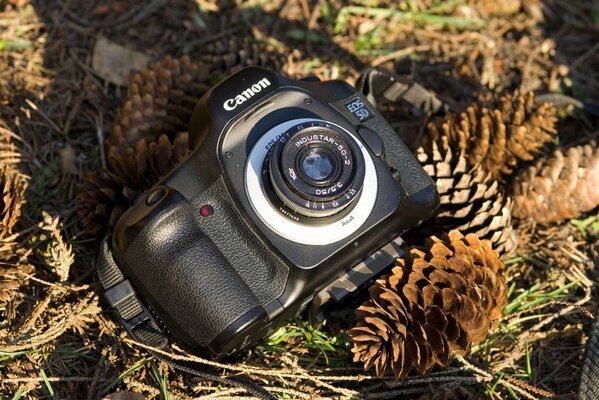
(289, 227)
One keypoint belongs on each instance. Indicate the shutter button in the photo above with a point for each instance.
(372, 140)
(155, 196)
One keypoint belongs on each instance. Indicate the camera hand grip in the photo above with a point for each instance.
(184, 277)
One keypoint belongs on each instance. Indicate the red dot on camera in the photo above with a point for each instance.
(206, 210)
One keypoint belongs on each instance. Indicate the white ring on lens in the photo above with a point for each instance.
(295, 231)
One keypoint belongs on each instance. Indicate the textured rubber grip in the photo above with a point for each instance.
(588, 388)
(264, 273)
(185, 278)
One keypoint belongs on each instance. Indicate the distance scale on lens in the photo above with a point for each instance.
(314, 170)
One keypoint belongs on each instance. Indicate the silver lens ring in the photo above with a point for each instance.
(284, 225)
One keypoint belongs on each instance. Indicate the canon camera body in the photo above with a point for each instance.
(290, 192)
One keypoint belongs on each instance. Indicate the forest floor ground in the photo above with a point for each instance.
(61, 340)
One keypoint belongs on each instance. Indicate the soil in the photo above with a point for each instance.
(58, 338)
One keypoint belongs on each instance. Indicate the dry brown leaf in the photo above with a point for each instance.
(124, 396)
(115, 63)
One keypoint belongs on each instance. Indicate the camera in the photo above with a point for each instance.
(292, 198)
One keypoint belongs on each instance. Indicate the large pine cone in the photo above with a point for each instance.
(130, 171)
(437, 301)
(13, 186)
(471, 200)
(103, 201)
(560, 186)
(498, 138)
(160, 99)
(142, 166)
(147, 141)
(11, 277)
(228, 55)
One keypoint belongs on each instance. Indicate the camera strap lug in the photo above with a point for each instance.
(122, 298)
(119, 293)
(376, 83)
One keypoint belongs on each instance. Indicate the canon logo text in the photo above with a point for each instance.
(248, 93)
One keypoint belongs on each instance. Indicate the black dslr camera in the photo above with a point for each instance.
(291, 190)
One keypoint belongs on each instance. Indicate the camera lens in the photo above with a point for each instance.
(314, 171)
(317, 165)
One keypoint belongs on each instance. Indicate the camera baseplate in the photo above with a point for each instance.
(356, 278)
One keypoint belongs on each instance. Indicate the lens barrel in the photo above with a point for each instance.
(314, 171)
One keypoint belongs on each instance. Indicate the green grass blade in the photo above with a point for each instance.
(8, 356)
(20, 44)
(431, 17)
(19, 394)
(48, 384)
(520, 298)
(512, 393)
(125, 373)
(491, 390)
(161, 381)
(528, 363)
(444, 20)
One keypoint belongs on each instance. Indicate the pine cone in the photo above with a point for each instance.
(501, 137)
(160, 99)
(130, 171)
(13, 186)
(437, 301)
(9, 154)
(103, 200)
(471, 200)
(560, 186)
(142, 166)
(228, 55)
(11, 276)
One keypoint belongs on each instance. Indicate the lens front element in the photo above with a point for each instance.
(314, 170)
(317, 165)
